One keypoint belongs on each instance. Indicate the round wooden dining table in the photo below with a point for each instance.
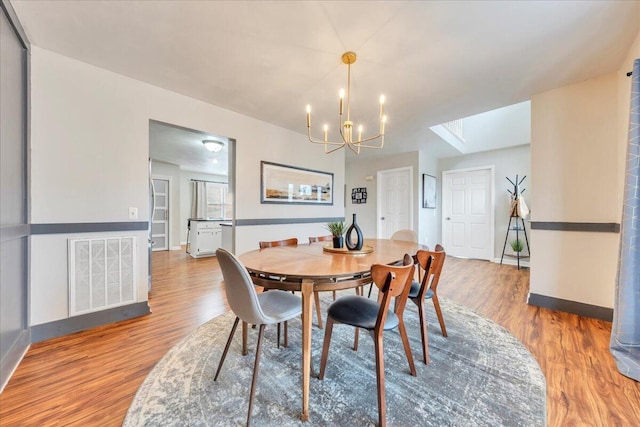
(308, 268)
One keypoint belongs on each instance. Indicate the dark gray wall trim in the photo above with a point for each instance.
(88, 227)
(13, 357)
(274, 221)
(62, 327)
(596, 227)
(12, 232)
(581, 309)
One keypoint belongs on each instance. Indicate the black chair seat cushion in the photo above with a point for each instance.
(415, 290)
(360, 312)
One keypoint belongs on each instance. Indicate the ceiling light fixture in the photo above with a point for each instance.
(346, 126)
(213, 145)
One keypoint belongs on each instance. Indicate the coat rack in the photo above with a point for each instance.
(518, 210)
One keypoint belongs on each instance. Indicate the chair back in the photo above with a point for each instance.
(241, 293)
(392, 281)
(287, 242)
(407, 235)
(431, 263)
(320, 239)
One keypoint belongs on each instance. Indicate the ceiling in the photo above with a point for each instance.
(434, 61)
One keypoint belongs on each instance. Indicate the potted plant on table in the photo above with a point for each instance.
(337, 230)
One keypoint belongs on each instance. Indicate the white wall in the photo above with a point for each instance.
(575, 167)
(507, 162)
(357, 168)
(95, 124)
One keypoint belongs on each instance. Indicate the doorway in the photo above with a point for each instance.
(160, 214)
(395, 201)
(468, 206)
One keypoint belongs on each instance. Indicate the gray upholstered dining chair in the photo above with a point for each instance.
(408, 235)
(430, 263)
(263, 309)
(375, 317)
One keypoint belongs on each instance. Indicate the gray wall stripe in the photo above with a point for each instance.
(88, 227)
(581, 309)
(12, 232)
(598, 227)
(62, 327)
(273, 221)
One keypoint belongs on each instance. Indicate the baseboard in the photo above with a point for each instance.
(12, 359)
(62, 327)
(511, 261)
(176, 248)
(573, 307)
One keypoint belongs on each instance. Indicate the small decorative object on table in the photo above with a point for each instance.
(337, 230)
(359, 239)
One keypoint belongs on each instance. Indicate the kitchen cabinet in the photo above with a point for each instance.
(205, 237)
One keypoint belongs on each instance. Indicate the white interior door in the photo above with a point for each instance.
(160, 215)
(468, 212)
(395, 201)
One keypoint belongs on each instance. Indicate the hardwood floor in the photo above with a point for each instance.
(89, 378)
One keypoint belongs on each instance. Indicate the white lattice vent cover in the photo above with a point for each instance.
(101, 273)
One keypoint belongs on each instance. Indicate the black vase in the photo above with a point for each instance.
(338, 242)
(359, 240)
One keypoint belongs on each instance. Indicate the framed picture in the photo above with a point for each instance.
(293, 185)
(428, 191)
(359, 195)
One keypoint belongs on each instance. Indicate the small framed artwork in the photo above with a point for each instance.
(428, 191)
(293, 185)
(359, 195)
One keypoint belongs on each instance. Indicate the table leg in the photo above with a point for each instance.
(307, 294)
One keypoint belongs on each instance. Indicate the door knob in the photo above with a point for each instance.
(448, 218)
(382, 218)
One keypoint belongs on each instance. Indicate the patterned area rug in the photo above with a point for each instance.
(480, 375)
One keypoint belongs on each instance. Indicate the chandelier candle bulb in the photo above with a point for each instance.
(308, 115)
(326, 129)
(341, 100)
(359, 133)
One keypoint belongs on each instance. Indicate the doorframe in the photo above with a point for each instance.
(492, 189)
(379, 179)
(168, 207)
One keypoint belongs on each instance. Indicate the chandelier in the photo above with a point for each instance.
(346, 126)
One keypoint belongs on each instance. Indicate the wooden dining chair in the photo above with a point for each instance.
(267, 308)
(293, 242)
(375, 317)
(431, 263)
(320, 239)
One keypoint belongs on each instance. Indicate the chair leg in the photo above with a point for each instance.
(286, 333)
(382, 401)
(325, 347)
(316, 297)
(255, 374)
(226, 347)
(278, 335)
(356, 339)
(370, 289)
(423, 332)
(244, 339)
(436, 305)
(334, 295)
(407, 347)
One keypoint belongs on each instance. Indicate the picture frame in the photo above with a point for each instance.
(284, 184)
(359, 195)
(429, 190)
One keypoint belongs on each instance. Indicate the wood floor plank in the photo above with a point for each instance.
(90, 378)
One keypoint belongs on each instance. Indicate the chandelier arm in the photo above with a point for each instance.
(322, 142)
(369, 139)
(352, 148)
(327, 151)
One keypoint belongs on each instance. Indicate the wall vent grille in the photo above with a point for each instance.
(101, 273)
